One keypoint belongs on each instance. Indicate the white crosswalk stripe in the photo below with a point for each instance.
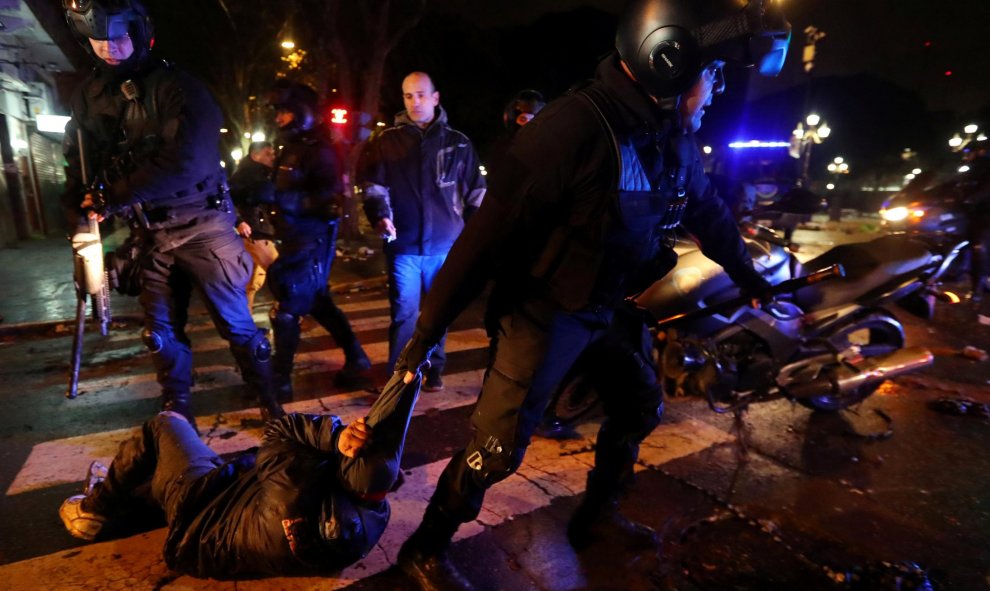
(551, 469)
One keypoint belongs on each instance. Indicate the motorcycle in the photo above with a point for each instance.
(826, 341)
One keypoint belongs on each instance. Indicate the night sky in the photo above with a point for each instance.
(886, 38)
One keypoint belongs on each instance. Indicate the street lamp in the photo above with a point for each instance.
(802, 138)
(958, 143)
(838, 166)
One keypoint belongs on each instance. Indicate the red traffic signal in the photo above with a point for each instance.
(338, 116)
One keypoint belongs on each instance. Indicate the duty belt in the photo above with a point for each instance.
(196, 198)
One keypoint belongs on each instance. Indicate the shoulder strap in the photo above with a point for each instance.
(599, 102)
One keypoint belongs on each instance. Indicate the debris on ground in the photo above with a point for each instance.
(971, 352)
(961, 406)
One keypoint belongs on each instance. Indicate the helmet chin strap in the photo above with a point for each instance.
(670, 103)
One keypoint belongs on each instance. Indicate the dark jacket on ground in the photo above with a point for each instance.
(308, 191)
(559, 177)
(286, 516)
(253, 194)
(160, 150)
(426, 180)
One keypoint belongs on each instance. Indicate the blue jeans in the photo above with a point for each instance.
(168, 453)
(410, 277)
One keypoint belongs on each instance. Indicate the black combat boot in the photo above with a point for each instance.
(597, 519)
(424, 558)
(282, 384)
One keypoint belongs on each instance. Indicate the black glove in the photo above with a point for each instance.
(415, 357)
(756, 288)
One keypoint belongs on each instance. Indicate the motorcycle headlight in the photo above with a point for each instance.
(894, 214)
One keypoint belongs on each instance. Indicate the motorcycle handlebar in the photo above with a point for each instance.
(767, 235)
(789, 286)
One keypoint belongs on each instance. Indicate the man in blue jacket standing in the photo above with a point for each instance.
(421, 181)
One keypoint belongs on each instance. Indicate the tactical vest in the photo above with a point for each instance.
(599, 257)
(127, 132)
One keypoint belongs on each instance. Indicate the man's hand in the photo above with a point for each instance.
(353, 438)
(88, 203)
(386, 229)
(244, 229)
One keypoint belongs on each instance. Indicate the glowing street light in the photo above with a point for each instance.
(958, 143)
(288, 44)
(803, 138)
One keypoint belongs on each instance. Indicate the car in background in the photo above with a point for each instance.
(936, 210)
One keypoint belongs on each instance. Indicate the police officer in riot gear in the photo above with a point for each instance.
(578, 218)
(519, 111)
(150, 133)
(522, 108)
(308, 194)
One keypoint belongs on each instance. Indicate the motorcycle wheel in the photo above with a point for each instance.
(574, 400)
(877, 334)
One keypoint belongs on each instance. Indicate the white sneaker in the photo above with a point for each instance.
(79, 523)
(97, 473)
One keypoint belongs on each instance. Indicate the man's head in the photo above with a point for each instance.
(297, 106)
(116, 31)
(522, 108)
(262, 153)
(675, 48)
(420, 97)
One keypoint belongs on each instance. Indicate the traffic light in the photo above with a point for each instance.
(338, 116)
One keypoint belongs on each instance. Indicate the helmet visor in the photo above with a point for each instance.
(110, 20)
(758, 36)
(768, 45)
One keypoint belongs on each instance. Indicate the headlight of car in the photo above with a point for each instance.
(894, 214)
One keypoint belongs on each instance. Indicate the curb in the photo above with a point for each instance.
(51, 328)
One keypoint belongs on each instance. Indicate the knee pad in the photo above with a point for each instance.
(490, 460)
(259, 346)
(155, 341)
(281, 319)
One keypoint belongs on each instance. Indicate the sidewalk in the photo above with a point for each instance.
(37, 295)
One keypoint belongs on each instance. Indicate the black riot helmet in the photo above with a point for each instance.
(667, 43)
(111, 19)
(297, 98)
(528, 102)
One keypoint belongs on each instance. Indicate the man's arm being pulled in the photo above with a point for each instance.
(316, 431)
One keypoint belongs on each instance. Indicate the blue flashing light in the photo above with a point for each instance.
(758, 144)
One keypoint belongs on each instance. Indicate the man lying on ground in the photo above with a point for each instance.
(312, 503)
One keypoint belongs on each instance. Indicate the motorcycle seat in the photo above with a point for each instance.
(869, 266)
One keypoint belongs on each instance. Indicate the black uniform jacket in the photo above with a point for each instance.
(561, 170)
(289, 515)
(308, 190)
(427, 181)
(159, 149)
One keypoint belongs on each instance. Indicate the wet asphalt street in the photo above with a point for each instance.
(889, 495)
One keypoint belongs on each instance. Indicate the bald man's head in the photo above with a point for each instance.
(420, 97)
